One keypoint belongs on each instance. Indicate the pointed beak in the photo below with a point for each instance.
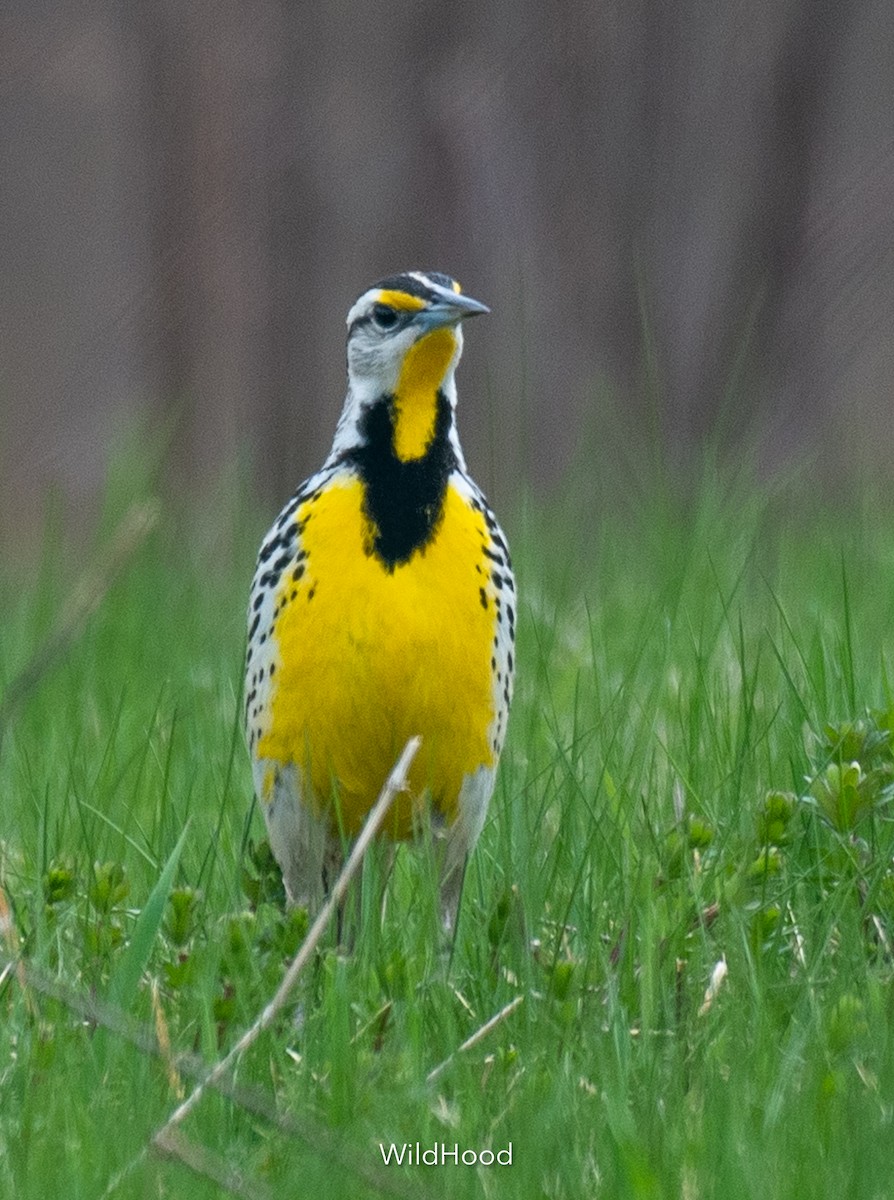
(449, 309)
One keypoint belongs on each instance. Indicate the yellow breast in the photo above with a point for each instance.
(367, 656)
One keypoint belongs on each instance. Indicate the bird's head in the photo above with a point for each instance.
(395, 315)
(404, 341)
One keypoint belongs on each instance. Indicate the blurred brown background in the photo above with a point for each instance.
(681, 214)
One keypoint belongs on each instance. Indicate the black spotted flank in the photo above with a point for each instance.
(309, 492)
(284, 520)
(404, 501)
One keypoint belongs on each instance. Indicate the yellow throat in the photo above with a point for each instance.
(416, 395)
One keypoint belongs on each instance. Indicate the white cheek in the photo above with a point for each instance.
(375, 363)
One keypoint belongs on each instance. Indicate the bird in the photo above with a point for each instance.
(383, 607)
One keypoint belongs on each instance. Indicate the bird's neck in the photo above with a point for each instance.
(403, 497)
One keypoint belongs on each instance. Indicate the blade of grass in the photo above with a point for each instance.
(126, 976)
(85, 598)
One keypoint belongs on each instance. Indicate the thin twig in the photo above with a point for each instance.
(163, 1038)
(478, 1036)
(211, 1166)
(319, 1139)
(396, 782)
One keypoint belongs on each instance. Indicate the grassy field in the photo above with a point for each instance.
(684, 879)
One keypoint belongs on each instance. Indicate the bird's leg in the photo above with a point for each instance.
(452, 876)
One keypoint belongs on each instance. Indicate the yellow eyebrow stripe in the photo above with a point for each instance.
(402, 301)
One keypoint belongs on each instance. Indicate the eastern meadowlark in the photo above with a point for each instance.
(383, 606)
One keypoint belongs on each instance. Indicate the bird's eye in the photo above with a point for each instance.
(384, 317)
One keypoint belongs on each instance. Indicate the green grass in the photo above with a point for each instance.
(694, 680)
